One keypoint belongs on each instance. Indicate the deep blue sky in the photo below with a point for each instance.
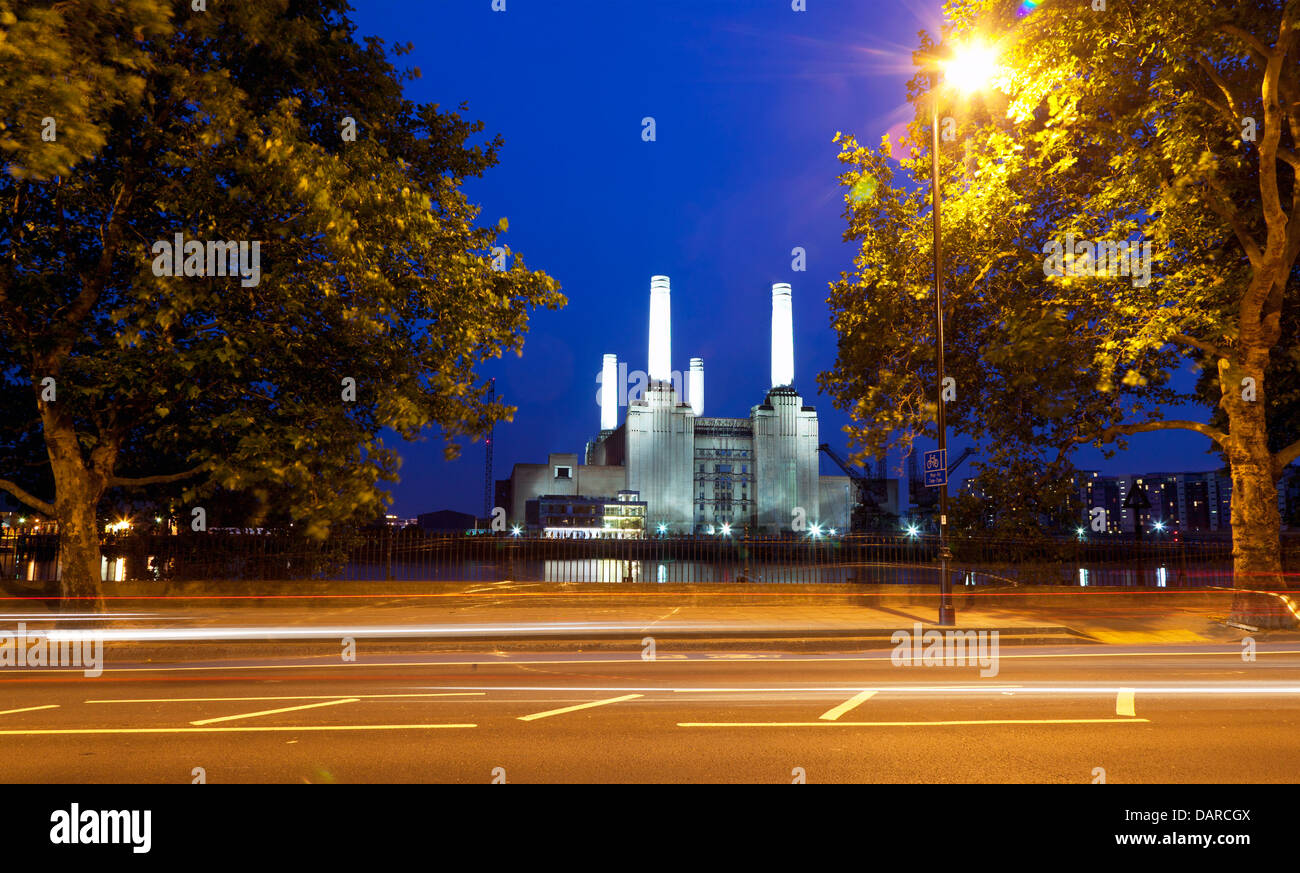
(746, 95)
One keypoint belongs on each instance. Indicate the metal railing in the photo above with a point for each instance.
(412, 555)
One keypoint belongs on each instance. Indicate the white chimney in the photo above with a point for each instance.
(609, 393)
(782, 336)
(695, 387)
(661, 337)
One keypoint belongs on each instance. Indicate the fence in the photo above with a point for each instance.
(412, 555)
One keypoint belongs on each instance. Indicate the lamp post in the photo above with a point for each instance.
(974, 66)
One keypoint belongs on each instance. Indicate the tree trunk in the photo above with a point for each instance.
(1256, 521)
(79, 583)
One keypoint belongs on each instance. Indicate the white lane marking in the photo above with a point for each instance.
(1228, 688)
(1124, 702)
(987, 721)
(286, 697)
(237, 729)
(551, 712)
(690, 659)
(836, 712)
(30, 709)
(204, 721)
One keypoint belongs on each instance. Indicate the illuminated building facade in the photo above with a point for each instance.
(698, 474)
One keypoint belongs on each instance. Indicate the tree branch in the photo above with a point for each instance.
(1234, 101)
(141, 481)
(1222, 205)
(1208, 348)
(34, 502)
(1283, 458)
(1113, 431)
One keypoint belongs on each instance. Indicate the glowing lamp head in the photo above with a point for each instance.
(663, 528)
(1159, 525)
(912, 530)
(726, 530)
(515, 531)
(971, 68)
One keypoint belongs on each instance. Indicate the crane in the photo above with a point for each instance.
(872, 494)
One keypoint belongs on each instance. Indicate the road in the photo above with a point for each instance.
(1072, 714)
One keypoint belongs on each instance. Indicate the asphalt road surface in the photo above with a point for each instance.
(1070, 714)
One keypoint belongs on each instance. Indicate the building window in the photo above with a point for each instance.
(563, 472)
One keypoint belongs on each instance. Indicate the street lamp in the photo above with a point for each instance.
(970, 69)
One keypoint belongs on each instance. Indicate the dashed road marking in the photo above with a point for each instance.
(852, 702)
(204, 721)
(1124, 702)
(30, 709)
(551, 712)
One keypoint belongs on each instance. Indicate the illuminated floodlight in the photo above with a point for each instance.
(831, 531)
(913, 530)
(663, 528)
(1082, 532)
(972, 67)
(726, 530)
(1159, 525)
(816, 530)
(515, 530)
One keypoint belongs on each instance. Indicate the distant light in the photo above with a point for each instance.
(912, 530)
(515, 530)
(726, 530)
(816, 530)
(831, 531)
(663, 528)
(1159, 525)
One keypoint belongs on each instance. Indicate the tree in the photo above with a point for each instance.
(1163, 122)
(359, 293)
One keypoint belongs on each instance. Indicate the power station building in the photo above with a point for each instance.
(692, 473)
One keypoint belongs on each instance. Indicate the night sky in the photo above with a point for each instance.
(746, 96)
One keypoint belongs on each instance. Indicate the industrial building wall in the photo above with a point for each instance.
(785, 454)
(530, 481)
(836, 502)
(660, 451)
(601, 480)
(725, 459)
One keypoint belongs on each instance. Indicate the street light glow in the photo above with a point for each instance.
(971, 67)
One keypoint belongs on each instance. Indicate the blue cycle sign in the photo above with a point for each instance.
(936, 468)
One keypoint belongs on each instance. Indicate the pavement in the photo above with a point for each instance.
(309, 619)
